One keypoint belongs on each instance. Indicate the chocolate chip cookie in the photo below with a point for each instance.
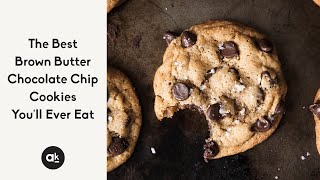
(317, 2)
(315, 109)
(112, 4)
(230, 73)
(123, 119)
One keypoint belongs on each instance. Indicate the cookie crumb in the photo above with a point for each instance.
(308, 154)
(153, 151)
(278, 169)
(276, 177)
(303, 158)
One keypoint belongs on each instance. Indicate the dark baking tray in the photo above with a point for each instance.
(136, 47)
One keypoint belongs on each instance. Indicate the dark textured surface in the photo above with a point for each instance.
(137, 49)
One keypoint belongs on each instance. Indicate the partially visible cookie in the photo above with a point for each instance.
(230, 73)
(315, 109)
(317, 2)
(123, 119)
(112, 3)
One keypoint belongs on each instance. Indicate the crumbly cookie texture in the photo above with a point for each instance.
(231, 74)
(123, 119)
(317, 2)
(112, 4)
(315, 109)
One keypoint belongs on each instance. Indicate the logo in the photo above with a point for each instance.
(52, 157)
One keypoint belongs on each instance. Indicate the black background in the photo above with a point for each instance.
(137, 49)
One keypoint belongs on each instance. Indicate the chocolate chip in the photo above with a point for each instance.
(262, 125)
(265, 45)
(211, 149)
(229, 49)
(315, 109)
(268, 76)
(117, 146)
(213, 112)
(260, 97)
(188, 39)
(180, 91)
(169, 36)
(280, 109)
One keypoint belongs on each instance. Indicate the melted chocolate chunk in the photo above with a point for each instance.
(280, 109)
(229, 49)
(169, 36)
(262, 125)
(260, 97)
(265, 45)
(180, 91)
(213, 112)
(188, 39)
(268, 76)
(118, 146)
(315, 108)
(211, 149)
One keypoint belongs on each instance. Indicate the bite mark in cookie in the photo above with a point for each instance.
(232, 74)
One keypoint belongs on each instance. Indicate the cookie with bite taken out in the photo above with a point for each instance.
(232, 74)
